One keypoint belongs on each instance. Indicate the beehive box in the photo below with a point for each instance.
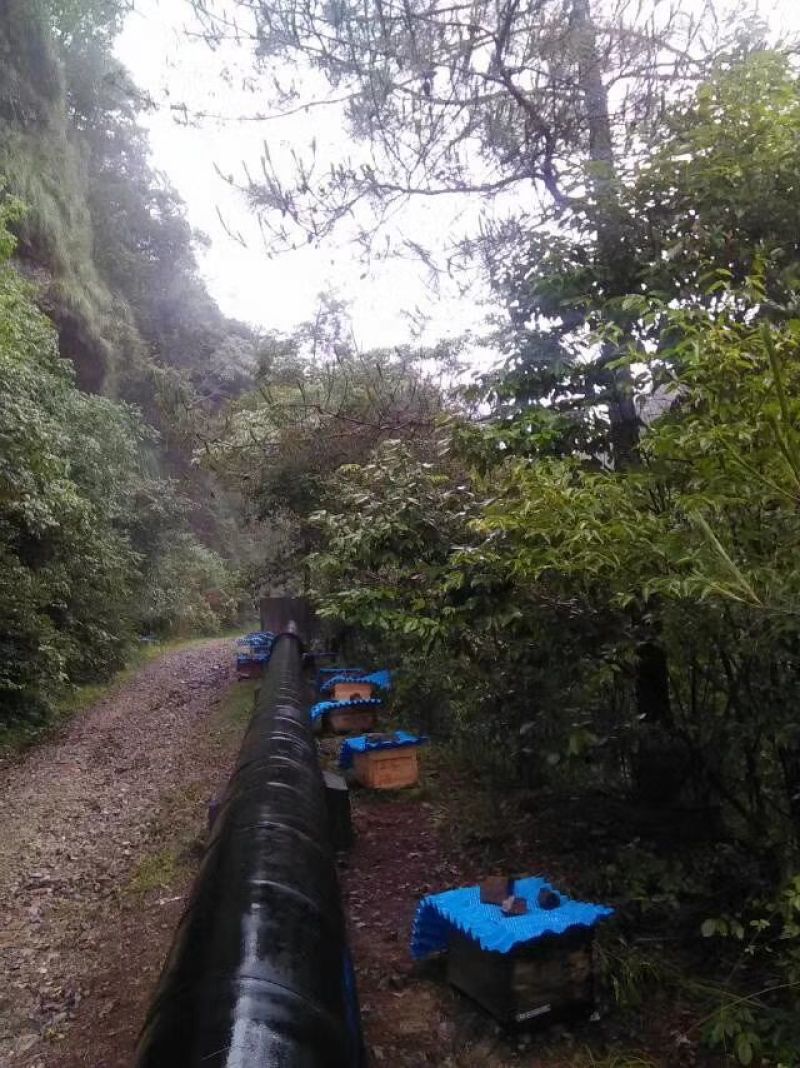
(353, 690)
(247, 668)
(387, 769)
(550, 977)
(352, 720)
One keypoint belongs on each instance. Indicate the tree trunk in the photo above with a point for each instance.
(652, 680)
(609, 221)
(652, 685)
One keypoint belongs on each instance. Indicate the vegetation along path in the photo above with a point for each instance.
(100, 833)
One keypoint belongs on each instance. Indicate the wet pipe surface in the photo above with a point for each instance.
(259, 971)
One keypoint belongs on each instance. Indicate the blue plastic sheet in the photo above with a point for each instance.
(382, 679)
(252, 658)
(462, 910)
(341, 676)
(259, 645)
(324, 675)
(260, 638)
(363, 743)
(321, 707)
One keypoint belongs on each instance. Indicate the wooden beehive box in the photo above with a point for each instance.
(550, 977)
(352, 720)
(352, 690)
(387, 769)
(249, 669)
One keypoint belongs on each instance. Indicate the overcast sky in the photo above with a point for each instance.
(272, 293)
(277, 293)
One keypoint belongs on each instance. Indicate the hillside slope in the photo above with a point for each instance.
(109, 346)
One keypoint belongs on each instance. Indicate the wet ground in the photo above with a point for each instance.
(101, 828)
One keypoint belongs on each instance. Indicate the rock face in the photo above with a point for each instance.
(103, 236)
(44, 162)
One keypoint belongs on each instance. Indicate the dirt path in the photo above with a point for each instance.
(100, 830)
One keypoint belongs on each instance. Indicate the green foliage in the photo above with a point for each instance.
(96, 543)
(319, 405)
(719, 193)
(526, 595)
(767, 931)
(104, 233)
(83, 19)
(700, 215)
(630, 628)
(67, 568)
(189, 589)
(81, 514)
(44, 165)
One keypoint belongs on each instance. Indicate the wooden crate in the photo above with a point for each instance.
(387, 769)
(352, 720)
(355, 690)
(253, 669)
(551, 977)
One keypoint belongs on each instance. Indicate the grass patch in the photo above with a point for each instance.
(177, 835)
(155, 872)
(235, 709)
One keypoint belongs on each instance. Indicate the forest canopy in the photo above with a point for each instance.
(587, 562)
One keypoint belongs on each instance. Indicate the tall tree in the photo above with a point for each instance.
(536, 107)
(714, 203)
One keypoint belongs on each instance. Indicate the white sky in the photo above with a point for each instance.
(278, 293)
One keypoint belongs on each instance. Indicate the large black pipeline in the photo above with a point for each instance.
(259, 973)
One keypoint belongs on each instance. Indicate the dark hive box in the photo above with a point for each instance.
(551, 976)
(352, 720)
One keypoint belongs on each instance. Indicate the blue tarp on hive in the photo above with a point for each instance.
(252, 658)
(326, 673)
(462, 910)
(381, 679)
(364, 744)
(259, 644)
(259, 638)
(321, 707)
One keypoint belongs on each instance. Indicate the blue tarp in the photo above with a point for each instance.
(381, 679)
(259, 644)
(257, 637)
(462, 909)
(321, 707)
(252, 658)
(363, 744)
(326, 673)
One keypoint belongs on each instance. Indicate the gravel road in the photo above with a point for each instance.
(101, 827)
